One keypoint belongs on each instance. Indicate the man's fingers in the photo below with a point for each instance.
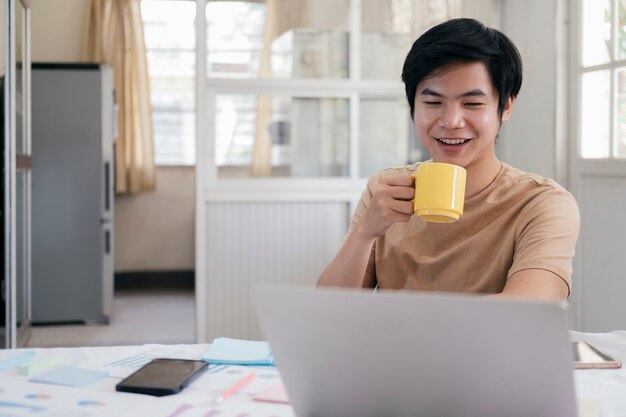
(398, 187)
(396, 192)
(399, 208)
(403, 193)
(402, 180)
(404, 207)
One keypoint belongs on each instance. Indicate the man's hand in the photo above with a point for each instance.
(391, 203)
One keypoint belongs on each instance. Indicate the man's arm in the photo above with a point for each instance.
(390, 203)
(348, 267)
(537, 284)
(545, 249)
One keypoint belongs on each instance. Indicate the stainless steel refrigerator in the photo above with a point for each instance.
(72, 194)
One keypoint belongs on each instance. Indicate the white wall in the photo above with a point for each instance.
(527, 140)
(482, 10)
(154, 231)
(57, 29)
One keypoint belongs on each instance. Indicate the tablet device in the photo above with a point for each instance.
(587, 356)
(161, 377)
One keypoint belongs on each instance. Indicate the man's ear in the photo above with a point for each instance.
(506, 111)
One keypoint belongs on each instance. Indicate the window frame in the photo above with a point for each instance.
(613, 66)
(353, 88)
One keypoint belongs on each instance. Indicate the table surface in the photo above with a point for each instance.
(605, 385)
(595, 388)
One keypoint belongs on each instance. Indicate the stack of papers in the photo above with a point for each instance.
(227, 351)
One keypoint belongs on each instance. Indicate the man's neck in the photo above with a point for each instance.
(480, 175)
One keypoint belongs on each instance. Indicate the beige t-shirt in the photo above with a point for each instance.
(520, 221)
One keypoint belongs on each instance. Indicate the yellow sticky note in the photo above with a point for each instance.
(38, 365)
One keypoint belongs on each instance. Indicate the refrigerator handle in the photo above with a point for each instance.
(107, 185)
(107, 242)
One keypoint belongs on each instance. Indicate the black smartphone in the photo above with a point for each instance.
(587, 356)
(161, 377)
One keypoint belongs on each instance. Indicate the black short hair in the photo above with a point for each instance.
(464, 40)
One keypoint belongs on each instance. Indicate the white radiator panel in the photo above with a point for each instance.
(264, 242)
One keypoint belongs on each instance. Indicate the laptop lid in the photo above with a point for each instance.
(345, 353)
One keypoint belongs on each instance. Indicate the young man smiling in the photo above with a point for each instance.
(518, 231)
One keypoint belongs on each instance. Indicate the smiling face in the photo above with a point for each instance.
(456, 116)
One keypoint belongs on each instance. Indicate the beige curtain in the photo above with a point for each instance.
(115, 36)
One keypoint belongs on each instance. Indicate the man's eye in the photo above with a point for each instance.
(432, 103)
(474, 104)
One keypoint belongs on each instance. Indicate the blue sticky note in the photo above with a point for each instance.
(70, 376)
(17, 360)
(239, 352)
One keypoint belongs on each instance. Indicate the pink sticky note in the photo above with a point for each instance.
(274, 394)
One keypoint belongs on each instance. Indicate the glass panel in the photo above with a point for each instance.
(596, 28)
(389, 29)
(173, 120)
(169, 28)
(22, 182)
(20, 144)
(621, 36)
(595, 114)
(277, 39)
(21, 248)
(385, 136)
(281, 136)
(174, 136)
(4, 91)
(620, 143)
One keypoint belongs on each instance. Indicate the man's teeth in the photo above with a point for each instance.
(453, 141)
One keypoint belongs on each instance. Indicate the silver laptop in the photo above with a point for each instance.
(345, 353)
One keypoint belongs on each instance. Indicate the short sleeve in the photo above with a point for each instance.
(369, 280)
(548, 234)
(366, 197)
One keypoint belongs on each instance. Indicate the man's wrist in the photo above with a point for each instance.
(360, 234)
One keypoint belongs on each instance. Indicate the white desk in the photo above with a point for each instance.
(607, 385)
(100, 398)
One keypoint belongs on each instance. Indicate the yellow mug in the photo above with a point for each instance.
(439, 192)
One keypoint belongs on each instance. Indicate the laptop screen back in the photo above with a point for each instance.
(355, 353)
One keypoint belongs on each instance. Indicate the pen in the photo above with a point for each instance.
(239, 385)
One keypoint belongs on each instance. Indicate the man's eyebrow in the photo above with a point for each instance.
(428, 92)
(477, 92)
(474, 93)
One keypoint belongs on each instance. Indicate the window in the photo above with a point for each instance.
(312, 88)
(234, 38)
(602, 79)
(312, 131)
(279, 72)
(169, 30)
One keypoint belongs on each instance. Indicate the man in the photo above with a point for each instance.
(518, 231)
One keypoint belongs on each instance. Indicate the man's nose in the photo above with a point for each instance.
(452, 118)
